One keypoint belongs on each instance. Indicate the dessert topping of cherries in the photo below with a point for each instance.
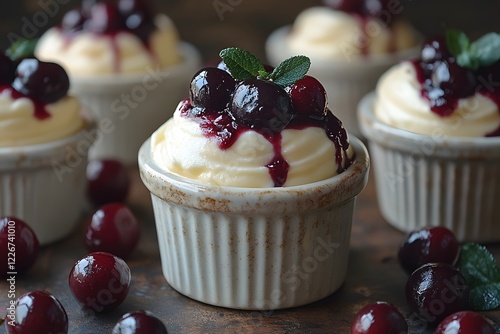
(363, 8)
(23, 75)
(110, 17)
(242, 94)
(452, 68)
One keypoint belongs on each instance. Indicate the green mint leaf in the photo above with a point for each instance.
(459, 45)
(485, 297)
(242, 64)
(486, 49)
(480, 270)
(22, 48)
(290, 70)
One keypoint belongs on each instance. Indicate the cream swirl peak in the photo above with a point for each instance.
(249, 125)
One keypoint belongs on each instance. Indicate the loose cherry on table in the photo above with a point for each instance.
(436, 290)
(108, 181)
(37, 312)
(18, 246)
(430, 244)
(139, 322)
(100, 281)
(465, 322)
(377, 318)
(113, 228)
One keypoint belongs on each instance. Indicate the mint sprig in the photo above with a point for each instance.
(483, 52)
(243, 65)
(480, 270)
(22, 48)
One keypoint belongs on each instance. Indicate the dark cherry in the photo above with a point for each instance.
(37, 312)
(222, 66)
(261, 105)
(376, 8)
(436, 290)
(211, 88)
(108, 181)
(18, 246)
(130, 7)
(139, 322)
(465, 322)
(7, 69)
(100, 281)
(377, 318)
(430, 244)
(434, 49)
(308, 96)
(105, 18)
(42, 81)
(114, 229)
(348, 6)
(453, 79)
(73, 21)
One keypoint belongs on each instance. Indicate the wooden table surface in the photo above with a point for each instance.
(374, 274)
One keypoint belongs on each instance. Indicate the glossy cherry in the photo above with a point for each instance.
(139, 322)
(105, 18)
(37, 312)
(308, 96)
(430, 244)
(7, 69)
(376, 8)
(100, 281)
(108, 181)
(114, 229)
(18, 246)
(348, 6)
(211, 88)
(261, 105)
(73, 21)
(377, 318)
(434, 49)
(42, 81)
(453, 79)
(465, 322)
(436, 290)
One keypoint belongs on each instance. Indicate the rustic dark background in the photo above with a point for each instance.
(247, 23)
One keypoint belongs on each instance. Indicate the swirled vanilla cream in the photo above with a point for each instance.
(25, 122)
(326, 33)
(109, 39)
(403, 102)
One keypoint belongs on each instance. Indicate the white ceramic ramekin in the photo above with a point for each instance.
(127, 108)
(254, 248)
(45, 184)
(345, 82)
(434, 181)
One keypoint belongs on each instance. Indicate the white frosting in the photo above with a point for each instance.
(321, 32)
(180, 147)
(19, 126)
(400, 104)
(91, 54)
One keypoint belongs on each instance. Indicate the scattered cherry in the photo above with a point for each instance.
(114, 229)
(37, 312)
(17, 234)
(436, 290)
(100, 281)
(7, 69)
(379, 317)
(262, 105)
(211, 88)
(308, 96)
(139, 322)
(108, 181)
(42, 81)
(465, 322)
(430, 244)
